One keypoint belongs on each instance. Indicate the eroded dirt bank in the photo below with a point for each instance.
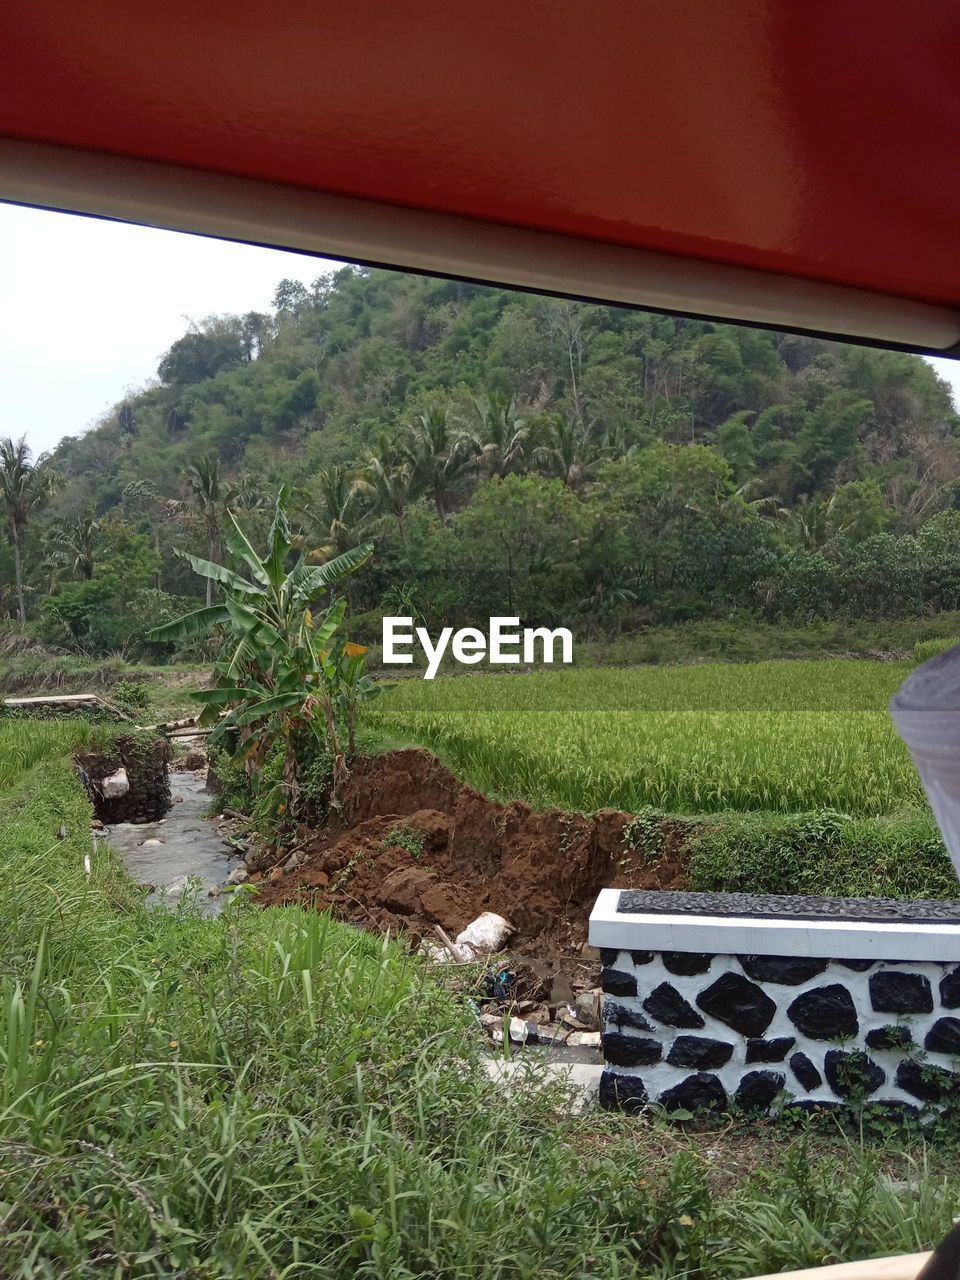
(540, 870)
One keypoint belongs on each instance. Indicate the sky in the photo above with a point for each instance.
(88, 307)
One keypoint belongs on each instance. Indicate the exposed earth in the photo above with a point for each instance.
(416, 848)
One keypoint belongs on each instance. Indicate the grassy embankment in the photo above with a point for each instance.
(269, 1094)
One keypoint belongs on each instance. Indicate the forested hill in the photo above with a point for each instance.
(334, 370)
(507, 454)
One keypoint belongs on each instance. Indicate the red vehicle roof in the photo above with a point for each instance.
(810, 142)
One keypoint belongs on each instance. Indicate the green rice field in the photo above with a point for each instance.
(781, 736)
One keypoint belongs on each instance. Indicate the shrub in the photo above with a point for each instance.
(925, 649)
(131, 696)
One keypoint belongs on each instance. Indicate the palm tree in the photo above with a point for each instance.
(211, 497)
(330, 511)
(393, 482)
(437, 455)
(496, 434)
(25, 487)
(567, 451)
(72, 543)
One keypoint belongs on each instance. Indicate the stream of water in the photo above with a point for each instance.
(185, 844)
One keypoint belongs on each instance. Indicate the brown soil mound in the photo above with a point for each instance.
(541, 870)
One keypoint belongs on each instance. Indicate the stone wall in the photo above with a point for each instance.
(709, 1030)
(146, 758)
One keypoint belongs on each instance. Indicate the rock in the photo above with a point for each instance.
(152, 840)
(926, 1082)
(573, 1023)
(619, 1016)
(788, 970)
(616, 982)
(857, 966)
(293, 862)
(758, 1089)
(490, 1020)
(667, 1005)
(214, 891)
(950, 989)
(621, 1093)
(944, 1037)
(609, 957)
(588, 1008)
(770, 1050)
(550, 1033)
(641, 957)
(96, 824)
(900, 1113)
(698, 1093)
(586, 1039)
(561, 988)
(893, 992)
(238, 875)
(276, 874)
(699, 1052)
(631, 1051)
(741, 1004)
(825, 1013)
(177, 800)
(402, 889)
(852, 1075)
(686, 963)
(889, 1038)
(807, 1074)
(194, 760)
(115, 785)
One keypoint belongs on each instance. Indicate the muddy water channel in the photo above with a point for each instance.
(184, 845)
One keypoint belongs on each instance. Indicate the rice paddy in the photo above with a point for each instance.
(780, 736)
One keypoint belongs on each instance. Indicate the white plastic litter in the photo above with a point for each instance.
(483, 936)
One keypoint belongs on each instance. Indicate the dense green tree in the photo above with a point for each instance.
(72, 544)
(389, 402)
(25, 488)
(436, 451)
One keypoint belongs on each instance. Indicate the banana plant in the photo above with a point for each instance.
(301, 685)
(267, 613)
(285, 674)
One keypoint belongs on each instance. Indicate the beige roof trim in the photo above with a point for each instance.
(244, 209)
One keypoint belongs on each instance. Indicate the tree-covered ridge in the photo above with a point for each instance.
(512, 453)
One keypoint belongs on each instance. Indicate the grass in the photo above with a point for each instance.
(270, 1094)
(772, 736)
